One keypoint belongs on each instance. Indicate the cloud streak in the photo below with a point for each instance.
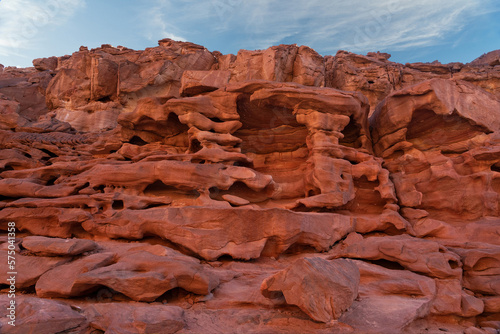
(327, 25)
(158, 24)
(22, 21)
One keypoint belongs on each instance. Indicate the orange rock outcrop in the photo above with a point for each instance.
(176, 189)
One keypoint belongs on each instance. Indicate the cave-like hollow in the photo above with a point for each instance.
(274, 140)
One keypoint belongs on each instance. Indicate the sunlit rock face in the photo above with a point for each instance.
(439, 140)
(376, 76)
(269, 191)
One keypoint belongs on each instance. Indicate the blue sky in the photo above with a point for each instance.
(411, 30)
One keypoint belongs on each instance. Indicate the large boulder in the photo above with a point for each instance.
(322, 289)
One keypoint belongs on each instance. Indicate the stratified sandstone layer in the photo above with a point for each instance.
(181, 190)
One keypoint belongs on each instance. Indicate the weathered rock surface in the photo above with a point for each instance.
(421, 256)
(242, 233)
(60, 281)
(43, 316)
(54, 246)
(379, 280)
(376, 77)
(131, 318)
(322, 289)
(24, 90)
(197, 82)
(142, 273)
(175, 175)
(438, 134)
(28, 269)
(388, 314)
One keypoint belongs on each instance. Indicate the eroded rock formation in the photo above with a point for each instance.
(178, 189)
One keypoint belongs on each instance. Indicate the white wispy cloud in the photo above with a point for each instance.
(158, 22)
(356, 25)
(360, 25)
(23, 21)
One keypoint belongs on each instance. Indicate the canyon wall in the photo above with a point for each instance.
(176, 189)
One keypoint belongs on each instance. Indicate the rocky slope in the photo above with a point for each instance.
(277, 191)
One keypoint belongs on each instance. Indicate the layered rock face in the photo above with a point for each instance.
(177, 189)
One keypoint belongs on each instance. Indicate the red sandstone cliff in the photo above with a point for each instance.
(177, 189)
